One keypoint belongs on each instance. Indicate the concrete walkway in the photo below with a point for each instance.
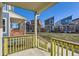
(31, 52)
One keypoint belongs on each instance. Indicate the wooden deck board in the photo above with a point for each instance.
(31, 52)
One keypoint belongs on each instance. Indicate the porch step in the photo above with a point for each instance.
(31, 52)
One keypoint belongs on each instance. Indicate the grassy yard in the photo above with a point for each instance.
(64, 36)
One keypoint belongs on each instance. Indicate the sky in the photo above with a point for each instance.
(59, 11)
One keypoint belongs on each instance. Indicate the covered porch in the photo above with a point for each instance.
(17, 44)
(19, 28)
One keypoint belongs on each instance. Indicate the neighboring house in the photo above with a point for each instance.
(43, 29)
(28, 27)
(39, 25)
(65, 24)
(57, 26)
(66, 20)
(32, 25)
(76, 24)
(9, 20)
(49, 24)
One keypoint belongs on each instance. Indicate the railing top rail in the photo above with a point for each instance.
(58, 39)
(18, 36)
(42, 39)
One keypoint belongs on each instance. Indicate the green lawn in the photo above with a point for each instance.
(63, 36)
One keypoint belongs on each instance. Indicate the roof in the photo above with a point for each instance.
(34, 6)
(75, 19)
(50, 18)
(69, 17)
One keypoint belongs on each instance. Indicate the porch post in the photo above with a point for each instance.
(36, 17)
(1, 31)
(25, 27)
(9, 23)
(20, 25)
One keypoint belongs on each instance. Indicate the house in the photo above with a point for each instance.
(43, 29)
(49, 24)
(39, 25)
(76, 24)
(12, 22)
(57, 26)
(65, 24)
(28, 27)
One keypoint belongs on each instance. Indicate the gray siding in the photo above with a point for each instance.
(6, 15)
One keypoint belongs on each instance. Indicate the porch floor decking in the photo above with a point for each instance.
(39, 52)
(31, 52)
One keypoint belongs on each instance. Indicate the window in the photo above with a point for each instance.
(51, 21)
(76, 22)
(4, 7)
(11, 8)
(4, 25)
(51, 27)
(7, 7)
(15, 25)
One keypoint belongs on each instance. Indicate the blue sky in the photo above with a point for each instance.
(59, 11)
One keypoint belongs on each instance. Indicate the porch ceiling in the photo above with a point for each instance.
(34, 6)
(15, 15)
(17, 20)
(0, 4)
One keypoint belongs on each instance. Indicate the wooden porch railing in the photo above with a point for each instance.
(56, 44)
(42, 44)
(18, 43)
